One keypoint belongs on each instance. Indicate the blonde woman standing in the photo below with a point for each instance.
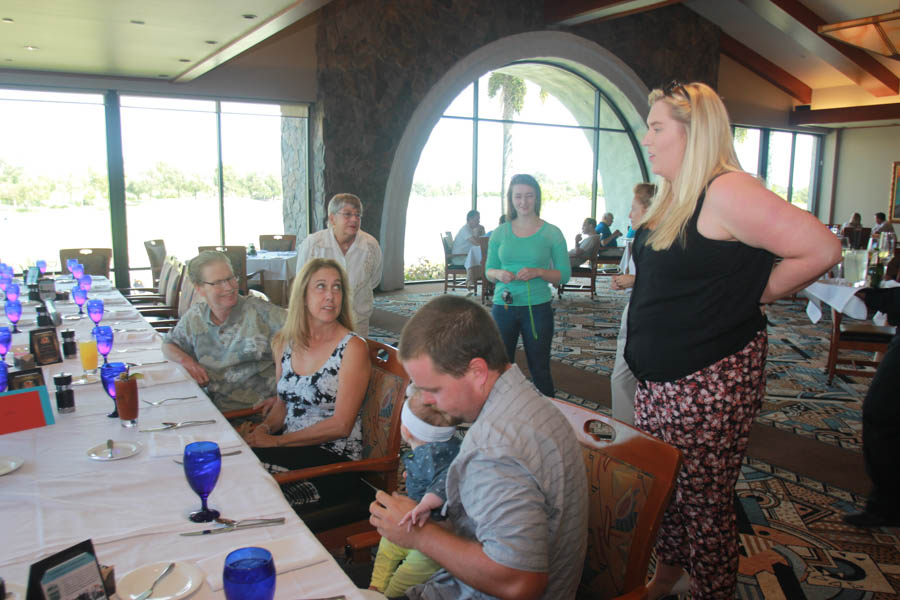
(696, 332)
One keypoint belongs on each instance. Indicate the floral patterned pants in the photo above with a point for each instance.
(707, 415)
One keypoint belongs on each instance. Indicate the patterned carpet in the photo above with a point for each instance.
(794, 545)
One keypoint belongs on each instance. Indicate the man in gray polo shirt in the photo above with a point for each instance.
(517, 491)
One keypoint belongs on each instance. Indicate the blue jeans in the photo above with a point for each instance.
(513, 320)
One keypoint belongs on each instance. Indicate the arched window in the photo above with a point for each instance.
(526, 117)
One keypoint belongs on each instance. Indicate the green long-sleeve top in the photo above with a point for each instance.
(544, 249)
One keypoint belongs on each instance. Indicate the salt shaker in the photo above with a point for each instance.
(65, 397)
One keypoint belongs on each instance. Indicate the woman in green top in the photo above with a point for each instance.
(524, 255)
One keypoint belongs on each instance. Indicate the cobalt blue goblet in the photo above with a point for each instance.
(12, 291)
(108, 374)
(14, 313)
(5, 341)
(249, 574)
(5, 281)
(95, 310)
(202, 463)
(77, 270)
(85, 281)
(70, 263)
(79, 297)
(42, 266)
(104, 336)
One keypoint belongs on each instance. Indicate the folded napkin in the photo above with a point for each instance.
(111, 298)
(137, 337)
(289, 554)
(167, 373)
(172, 443)
(122, 314)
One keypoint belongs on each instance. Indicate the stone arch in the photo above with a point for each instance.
(578, 54)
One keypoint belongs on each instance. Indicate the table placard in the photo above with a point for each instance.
(45, 346)
(25, 409)
(71, 574)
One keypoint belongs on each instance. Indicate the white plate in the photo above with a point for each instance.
(85, 379)
(184, 580)
(8, 464)
(120, 450)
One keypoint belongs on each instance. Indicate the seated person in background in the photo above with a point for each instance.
(607, 236)
(322, 369)
(882, 225)
(855, 221)
(354, 249)
(225, 342)
(587, 243)
(501, 222)
(465, 239)
(518, 509)
(429, 433)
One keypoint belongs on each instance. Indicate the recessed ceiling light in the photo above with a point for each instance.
(184, 60)
(31, 48)
(137, 22)
(249, 16)
(8, 20)
(211, 42)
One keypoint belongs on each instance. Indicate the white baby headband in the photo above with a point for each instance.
(423, 431)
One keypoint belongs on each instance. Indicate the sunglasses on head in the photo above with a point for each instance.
(674, 87)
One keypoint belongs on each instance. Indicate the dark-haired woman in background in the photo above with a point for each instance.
(524, 255)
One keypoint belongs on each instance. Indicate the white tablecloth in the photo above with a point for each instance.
(134, 508)
(278, 266)
(840, 296)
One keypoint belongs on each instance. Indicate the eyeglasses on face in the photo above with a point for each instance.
(350, 214)
(227, 282)
(674, 87)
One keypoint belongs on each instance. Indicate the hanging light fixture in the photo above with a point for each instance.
(880, 33)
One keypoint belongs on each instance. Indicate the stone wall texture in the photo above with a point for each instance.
(378, 58)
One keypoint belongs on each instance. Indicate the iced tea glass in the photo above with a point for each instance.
(127, 401)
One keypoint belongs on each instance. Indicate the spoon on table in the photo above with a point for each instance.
(232, 453)
(159, 402)
(146, 593)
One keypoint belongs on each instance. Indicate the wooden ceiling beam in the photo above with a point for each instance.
(877, 79)
(765, 68)
(848, 114)
(575, 12)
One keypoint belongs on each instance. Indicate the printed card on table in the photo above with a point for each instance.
(25, 409)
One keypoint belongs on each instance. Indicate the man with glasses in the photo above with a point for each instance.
(225, 343)
(357, 251)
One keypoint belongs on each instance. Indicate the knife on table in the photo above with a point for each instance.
(248, 524)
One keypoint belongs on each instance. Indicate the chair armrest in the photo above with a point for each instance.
(159, 311)
(361, 541)
(241, 412)
(386, 463)
(122, 290)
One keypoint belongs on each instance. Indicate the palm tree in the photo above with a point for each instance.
(512, 99)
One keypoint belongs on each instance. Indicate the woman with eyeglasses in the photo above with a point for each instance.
(322, 368)
(696, 341)
(524, 255)
(355, 250)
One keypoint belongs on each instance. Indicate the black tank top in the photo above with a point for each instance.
(693, 304)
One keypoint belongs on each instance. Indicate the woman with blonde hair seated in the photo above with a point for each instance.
(322, 369)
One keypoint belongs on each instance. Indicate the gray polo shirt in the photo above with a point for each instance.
(518, 487)
(237, 354)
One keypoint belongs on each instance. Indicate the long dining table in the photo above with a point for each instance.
(133, 509)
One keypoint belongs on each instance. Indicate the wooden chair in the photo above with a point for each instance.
(604, 264)
(164, 319)
(631, 477)
(451, 270)
(238, 257)
(861, 336)
(169, 300)
(156, 252)
(95, 260)
(156, 294)
(332, 519)
(280, 243)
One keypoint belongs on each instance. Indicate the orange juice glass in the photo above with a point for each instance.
(87, 351)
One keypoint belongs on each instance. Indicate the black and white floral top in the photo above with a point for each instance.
(311, 398)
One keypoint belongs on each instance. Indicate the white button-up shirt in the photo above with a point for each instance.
(362, 263)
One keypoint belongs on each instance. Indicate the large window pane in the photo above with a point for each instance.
(440, 198)
(170, 153)
(779, 164)
(53, 179)
(746, 146)
(804, 170)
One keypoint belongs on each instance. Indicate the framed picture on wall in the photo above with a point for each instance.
(894, 208)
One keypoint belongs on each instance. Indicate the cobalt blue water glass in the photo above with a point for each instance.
(249, 574)
(202, 463)
(95, 309)
(4, 374)
(104, 336)
(14, 313)
(85, 282)
(5, 342)
(70, 263)
(79, 297)
(12, 291)
(77, 270)
(108, 374)
(5, 280)
(42, 266)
